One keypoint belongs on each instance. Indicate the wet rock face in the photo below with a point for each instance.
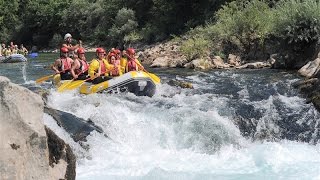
(23, 142)
(281, 126)
(60, 151)
(310, 88)
(77, 127)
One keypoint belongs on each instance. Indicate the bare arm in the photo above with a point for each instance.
(75, 65)
(71, 48)
(55, 66)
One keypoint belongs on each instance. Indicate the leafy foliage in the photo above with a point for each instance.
(244, 21)
(124, 24)
(9, 21)
(35, 22)
(195, 47)
(55, 41)
(298, 21)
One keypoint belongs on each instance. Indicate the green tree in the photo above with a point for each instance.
(9, 20)
(55, 41)
(124, 24)
(42, 19)
(245, 22)
(298, 22)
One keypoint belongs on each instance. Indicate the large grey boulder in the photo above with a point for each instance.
(23, 141)
(311, 69)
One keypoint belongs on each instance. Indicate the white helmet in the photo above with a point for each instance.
(67, 36)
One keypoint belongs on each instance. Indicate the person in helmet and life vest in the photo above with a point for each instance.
(5, 51)
(80, 66)
(68, 44)
(113, 60)
(131, 63)
(117, 52)
(111, 51)
(23, 50)
(99, 67)
(62, 65)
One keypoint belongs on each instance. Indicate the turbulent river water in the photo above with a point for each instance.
(234, 124)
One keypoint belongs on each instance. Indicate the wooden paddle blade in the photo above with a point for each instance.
(63, 87)
(45, 78)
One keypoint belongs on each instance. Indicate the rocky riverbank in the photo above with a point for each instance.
(168, 54)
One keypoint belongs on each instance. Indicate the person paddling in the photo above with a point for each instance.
(62, 65)
(99, 67)
(80, 66)
(116, 71)
(5, 51)
(23, 50)
(131, 64)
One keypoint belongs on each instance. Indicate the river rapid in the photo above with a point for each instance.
(234, 124)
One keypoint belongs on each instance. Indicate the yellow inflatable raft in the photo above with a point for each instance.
(139, 83)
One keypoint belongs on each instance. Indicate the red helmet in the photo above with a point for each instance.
(100, 50)
(112, 54)
(64, 50)
(130, 51)
(81, 51)
(117, 51)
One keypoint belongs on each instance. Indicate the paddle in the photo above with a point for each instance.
(45, 78)
(64, 85)
(75, 84)
(154, 77)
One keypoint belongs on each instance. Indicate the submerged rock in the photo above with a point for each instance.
(77, 127)
(181, 84)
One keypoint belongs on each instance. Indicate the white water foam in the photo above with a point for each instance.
(175, 135)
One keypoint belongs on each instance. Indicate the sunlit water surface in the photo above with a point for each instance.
(186, 133)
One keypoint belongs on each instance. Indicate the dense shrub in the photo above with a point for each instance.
(298, 22)
(244, 22)
(195, 47)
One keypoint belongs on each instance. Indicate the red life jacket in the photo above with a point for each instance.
(84, 66)
(132, 65)
(65, 65)
(115, 72)
(103, 67)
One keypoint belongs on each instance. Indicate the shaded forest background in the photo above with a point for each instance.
(101, 22)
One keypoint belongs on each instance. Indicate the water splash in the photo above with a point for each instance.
(24, 72)
(191, 133)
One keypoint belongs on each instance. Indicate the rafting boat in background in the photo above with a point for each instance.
(33, 55)
(139, 83)
(14, 58)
